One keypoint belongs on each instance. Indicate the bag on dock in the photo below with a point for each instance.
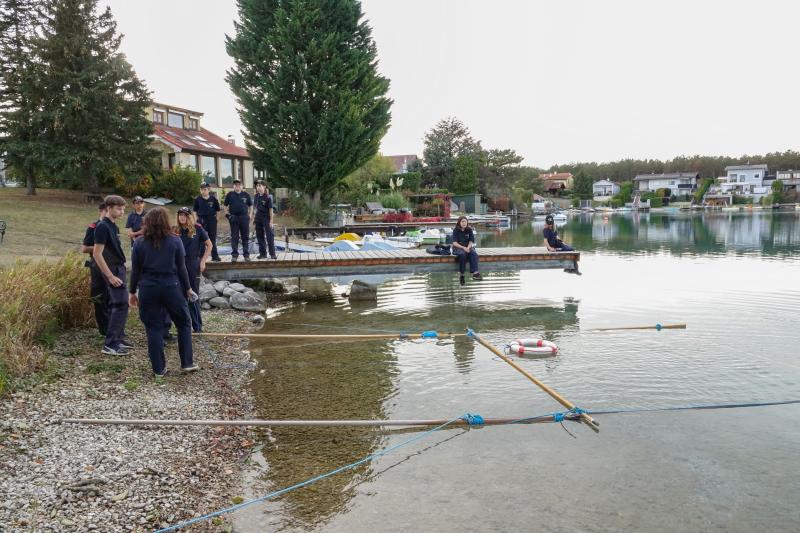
(439, 249)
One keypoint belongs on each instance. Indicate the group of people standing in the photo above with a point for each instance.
(166, 263)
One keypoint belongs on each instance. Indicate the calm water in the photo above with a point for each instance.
(733, 278)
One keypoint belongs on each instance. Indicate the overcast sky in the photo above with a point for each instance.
(556, 81)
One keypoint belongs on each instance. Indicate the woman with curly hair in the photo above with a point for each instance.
(158, 271)
(197, 246)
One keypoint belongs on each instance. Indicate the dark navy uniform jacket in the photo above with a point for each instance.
(135, 221)
(206, 207)
(463, 237)
(194, 246)
(164, 262)
(552, 238)
(238, 203)
(88, 237)
(263, 203)
(107, 234)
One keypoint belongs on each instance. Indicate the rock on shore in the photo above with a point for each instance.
(224, 295)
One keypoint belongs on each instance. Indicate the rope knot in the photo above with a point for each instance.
(473, 419)
(568, 415)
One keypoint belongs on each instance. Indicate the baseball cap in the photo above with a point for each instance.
(548, 219)
(184, 210)
(237, 180)
(137, 199)
(204, 185)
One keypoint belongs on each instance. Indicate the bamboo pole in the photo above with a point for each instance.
(319, 423)
(656, 327)
(588, 420)
(333, 336)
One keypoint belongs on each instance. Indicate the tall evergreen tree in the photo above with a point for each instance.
(94, 110)
(445, 142)
(311, 100)
(20, 96)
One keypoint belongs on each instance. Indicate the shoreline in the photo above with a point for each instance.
(70, 477)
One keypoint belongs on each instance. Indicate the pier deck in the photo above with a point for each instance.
(322, 264)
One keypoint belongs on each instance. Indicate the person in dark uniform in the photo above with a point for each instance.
(464, 249)
(158, 271)
(197, 247)
(237, 208)
(206, 206)
(264, 215)
(551, 240)
(110, 259)
(134, 223)
(97, 286)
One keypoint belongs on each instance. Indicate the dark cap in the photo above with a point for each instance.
(137, 199)
(184, 210)
(237, 180)
(548, 219)
(204, 185)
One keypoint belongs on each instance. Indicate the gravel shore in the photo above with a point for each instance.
(68, 477)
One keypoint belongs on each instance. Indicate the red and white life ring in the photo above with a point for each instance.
(532, 347)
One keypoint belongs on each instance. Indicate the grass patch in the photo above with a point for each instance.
(131, 384)
(104, 367)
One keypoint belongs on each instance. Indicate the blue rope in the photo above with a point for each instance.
(313, 479)
(658, 327)
(472, 419)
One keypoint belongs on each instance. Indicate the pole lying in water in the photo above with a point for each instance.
(657, 327)
(588, 420)
(352, 336)
(322, 423)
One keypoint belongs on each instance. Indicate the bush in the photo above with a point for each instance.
(38, 299)
(411, 181)
(657, 202)
(616, 203)
(309, 214)
(180, 184)
(393, 200)
(742, 200)
(142, 187)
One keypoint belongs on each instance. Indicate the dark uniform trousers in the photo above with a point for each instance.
(262, 229)
(156, 294)
(463, 257)
(209, 223)
(99, 296)
(117, 308)
(240, 226)
(193, 268)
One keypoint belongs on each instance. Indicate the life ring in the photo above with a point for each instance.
(532, 347)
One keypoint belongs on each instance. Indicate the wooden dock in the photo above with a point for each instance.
(323, 264)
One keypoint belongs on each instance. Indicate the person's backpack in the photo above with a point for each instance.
(439, 249)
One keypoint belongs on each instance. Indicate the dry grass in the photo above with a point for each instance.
(37, 299)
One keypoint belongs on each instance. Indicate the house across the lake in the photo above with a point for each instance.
(604, 189)
(182, 140)
(746, 180)
(678, 183)
(556, 182)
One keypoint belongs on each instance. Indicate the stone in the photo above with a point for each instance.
(238, 287)
(258, 320)
(250, 301)
(207, 292)
(315, 288)
(273, 286)
(361, 290)
(220, 285)
(206, 306)
(229, 291)
(220, 302)
(249, 289)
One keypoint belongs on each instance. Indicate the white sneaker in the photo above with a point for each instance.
(108, 350)
(193, 368)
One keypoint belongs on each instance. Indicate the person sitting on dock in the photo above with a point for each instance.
(464, 249)
(551, 240)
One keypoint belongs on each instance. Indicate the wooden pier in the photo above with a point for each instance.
(323, 264)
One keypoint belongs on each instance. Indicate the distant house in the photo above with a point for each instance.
(181, 139)
(402, 162)
(555, 182)
(789, 178)
(745, 180)
(604, 188)
(678, 183)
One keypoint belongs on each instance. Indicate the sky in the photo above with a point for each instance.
(558, 82)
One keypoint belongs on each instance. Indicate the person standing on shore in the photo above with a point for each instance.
(134, 223)
(158, 271)
(110, 259)
(464, 249)
(551, 240)
(197, 247)
(264, 215)
(206, 206)
(237, 210)
(97, 283)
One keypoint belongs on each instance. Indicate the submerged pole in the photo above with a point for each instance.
(588, 420)
(657, 327)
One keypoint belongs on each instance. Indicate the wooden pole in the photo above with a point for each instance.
(320, 423)
(656, 327)
(588, 420)
(331, 335)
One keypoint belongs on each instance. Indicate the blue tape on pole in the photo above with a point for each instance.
(429, 335)
(470, 333)
(473, 419)
(658, 327)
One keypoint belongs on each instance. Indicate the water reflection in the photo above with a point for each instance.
(697, 233)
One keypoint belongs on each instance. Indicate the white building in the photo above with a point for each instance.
(745, 180)
(678, 183)
(604, 189)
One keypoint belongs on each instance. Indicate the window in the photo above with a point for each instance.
(756, 175)
(175, 120)
(158, 117)
(672, 182)
(192, 123)
(191, 161)
(208, 168)
(226, 171)
(741, 178)
(171, 161)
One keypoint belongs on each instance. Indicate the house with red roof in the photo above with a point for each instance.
(402, 162)
(182, 140)
(556, 182)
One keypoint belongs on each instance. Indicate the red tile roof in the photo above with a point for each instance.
(556, 176)
(188, 141)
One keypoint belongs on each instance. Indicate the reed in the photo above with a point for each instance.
(37, 300)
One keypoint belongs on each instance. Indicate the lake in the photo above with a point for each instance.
(733, 278)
